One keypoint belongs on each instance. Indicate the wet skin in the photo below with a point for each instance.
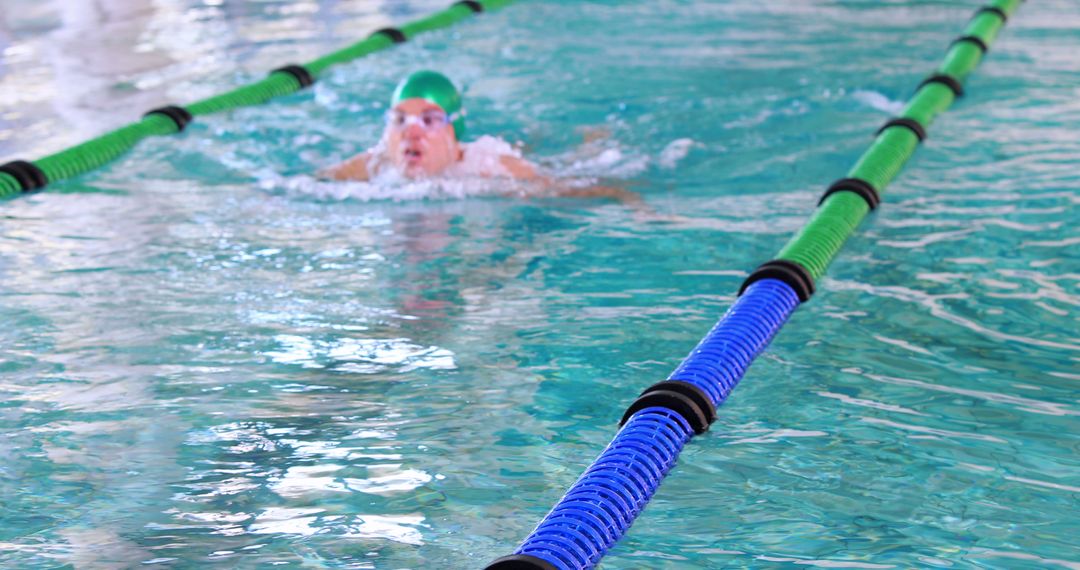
(417, 150)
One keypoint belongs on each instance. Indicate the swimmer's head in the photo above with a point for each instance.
(424, 124)
(433, 87)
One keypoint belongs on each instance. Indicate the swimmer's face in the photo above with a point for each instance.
(420, 139)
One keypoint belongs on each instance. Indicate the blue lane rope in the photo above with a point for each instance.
(599, 508)
(721, 358)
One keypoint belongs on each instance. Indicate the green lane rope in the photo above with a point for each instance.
(21, 177)
(830, 226)
(816, 244)
(276, 85)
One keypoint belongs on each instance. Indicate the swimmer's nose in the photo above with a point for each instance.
(414, 131)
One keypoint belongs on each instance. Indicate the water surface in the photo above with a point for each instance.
(201, 370)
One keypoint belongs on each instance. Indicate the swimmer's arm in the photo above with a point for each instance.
(622, 195)
(356, 168)
(524, 170)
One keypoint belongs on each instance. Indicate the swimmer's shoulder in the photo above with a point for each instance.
(518, 167)
(356, 168)
(509, 158)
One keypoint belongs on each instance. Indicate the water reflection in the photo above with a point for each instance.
(361, 356)
(404, 528)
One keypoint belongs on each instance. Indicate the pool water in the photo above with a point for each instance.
(209, 360)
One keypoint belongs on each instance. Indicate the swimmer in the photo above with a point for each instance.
(422, 139)
(423, 135)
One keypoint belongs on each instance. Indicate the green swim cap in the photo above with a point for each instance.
(436, 88)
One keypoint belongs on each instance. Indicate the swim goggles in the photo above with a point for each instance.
(430, 120)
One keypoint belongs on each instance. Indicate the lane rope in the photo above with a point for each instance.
(602, 504)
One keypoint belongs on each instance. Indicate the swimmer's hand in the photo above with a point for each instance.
(356, 168)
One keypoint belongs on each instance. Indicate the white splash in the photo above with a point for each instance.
(479, 173)
(675, 151)
(877, 101)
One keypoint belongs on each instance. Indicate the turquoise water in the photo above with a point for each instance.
(200, 369)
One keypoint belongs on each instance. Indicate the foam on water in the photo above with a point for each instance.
(479, 174)
(386, 187)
